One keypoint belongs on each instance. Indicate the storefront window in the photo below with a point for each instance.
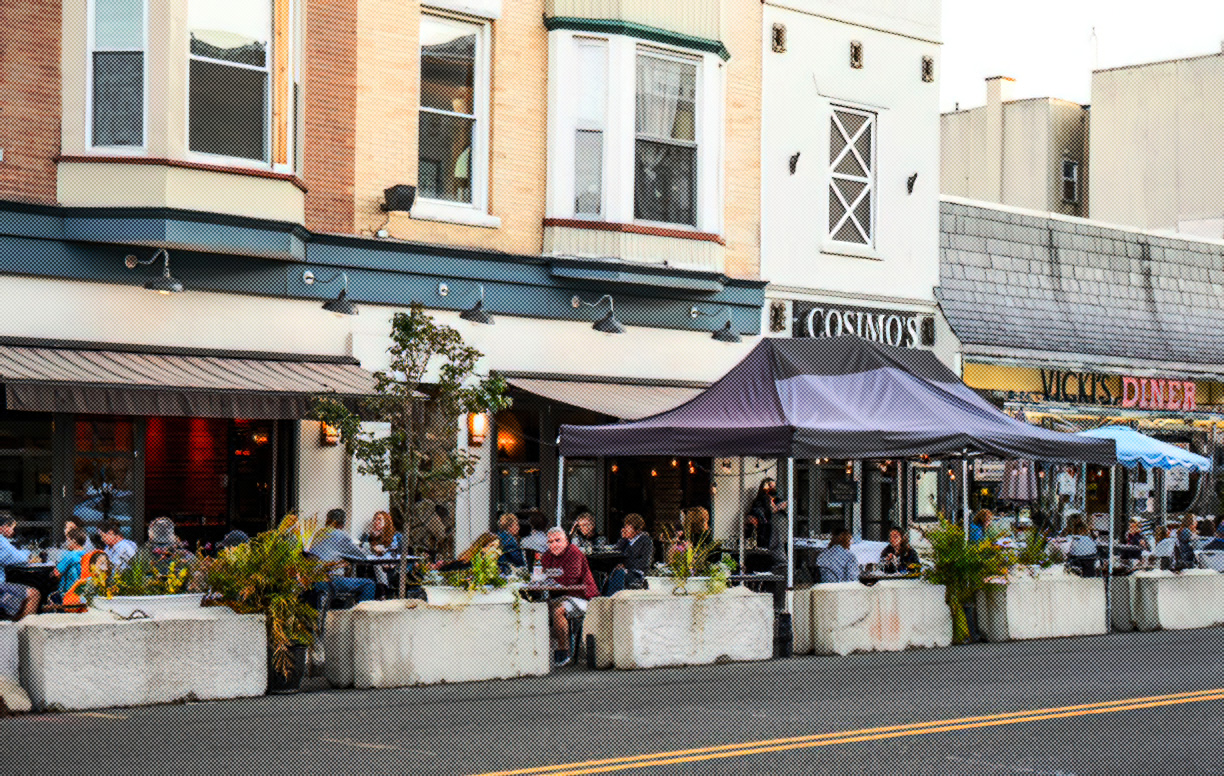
(104, 476)
(25, 475)
(518, 460)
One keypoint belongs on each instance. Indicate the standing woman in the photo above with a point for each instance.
(759, 522)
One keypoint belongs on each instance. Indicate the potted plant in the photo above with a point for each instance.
(271, 575)
(145, 587)
(963, 568)
(479, 582)
(689, 568)
(1034, 552)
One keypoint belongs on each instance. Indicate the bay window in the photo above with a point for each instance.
(634, 136)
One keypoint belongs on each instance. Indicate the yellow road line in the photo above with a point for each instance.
(870, 734)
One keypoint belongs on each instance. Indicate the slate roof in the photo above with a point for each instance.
(1014, 280)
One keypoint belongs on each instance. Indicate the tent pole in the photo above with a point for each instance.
(965, 490)
(1113, 529)
(743, 538)
(560, 488)
(790, 528)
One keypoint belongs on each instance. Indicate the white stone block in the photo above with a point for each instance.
(1122, 603)
(598, 623)
(10, 664)
(405, 643)
(1168, 601)
(889, 616)
(652, 628)
(14, 696)
(801, 621)
(93, 660)
(1046, 606)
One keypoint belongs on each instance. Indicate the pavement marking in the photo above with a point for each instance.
(856, 736)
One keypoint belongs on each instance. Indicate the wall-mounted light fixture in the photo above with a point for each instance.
(166, 284)
(726, 333)
(476, 313)
(341, 305)
(478, 428)
(607, 324)
(398, 199)
(329, 435)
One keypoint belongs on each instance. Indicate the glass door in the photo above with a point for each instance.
(106, 479)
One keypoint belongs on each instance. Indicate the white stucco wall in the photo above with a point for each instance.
(800, 87)
(1171, 112)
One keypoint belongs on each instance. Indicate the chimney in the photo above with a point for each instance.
(998, 92)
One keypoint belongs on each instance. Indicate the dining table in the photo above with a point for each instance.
(40, 576)
(764, 582)
(543, 591)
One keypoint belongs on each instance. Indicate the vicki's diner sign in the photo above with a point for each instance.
(1145, 393)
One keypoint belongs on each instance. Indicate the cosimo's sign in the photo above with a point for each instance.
(1145, 393)
(891, 327)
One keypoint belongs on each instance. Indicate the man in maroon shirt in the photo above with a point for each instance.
(574, 571)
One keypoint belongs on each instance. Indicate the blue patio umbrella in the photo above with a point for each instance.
(1135, 449)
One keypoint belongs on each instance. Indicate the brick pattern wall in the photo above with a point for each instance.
(330, 114)
(742, 165)
(29, 99)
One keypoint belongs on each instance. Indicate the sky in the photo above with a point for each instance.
(1048, 46)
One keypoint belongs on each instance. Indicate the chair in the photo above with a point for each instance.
(1211, 559)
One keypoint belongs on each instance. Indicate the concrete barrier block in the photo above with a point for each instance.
(801, 621)
(1167, 601)
(889, 616)
(1122, 603)
(1042, 607)
(10, 664)
(93, 660)
(405, 643)
(598, 623)
(652, 628)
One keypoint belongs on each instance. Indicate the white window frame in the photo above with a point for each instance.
(269, 68)
(620, 131)
(1074, 179)
(841, 246)
(645, 50)
(584, 125)
(90, 50)
(476, 213)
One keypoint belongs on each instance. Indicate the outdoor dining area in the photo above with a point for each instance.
(536, 595)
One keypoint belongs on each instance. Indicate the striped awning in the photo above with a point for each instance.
(132, 380)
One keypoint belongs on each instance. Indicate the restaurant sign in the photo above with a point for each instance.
(1145, 393)
(891, 327)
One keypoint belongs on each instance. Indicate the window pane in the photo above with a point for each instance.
(231, 30)
(103, 490)
(666, 98)
(588, 172)
(119, 24)
(448, 65)
(118, 98)
(665, 183)
(445, 157)
(228, 110)
(593, 83)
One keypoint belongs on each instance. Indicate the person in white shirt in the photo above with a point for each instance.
(1066, 484)
(118, 550)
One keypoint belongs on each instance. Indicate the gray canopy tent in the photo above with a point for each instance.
(837, 397)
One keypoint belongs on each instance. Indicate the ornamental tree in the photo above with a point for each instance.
(404, 460)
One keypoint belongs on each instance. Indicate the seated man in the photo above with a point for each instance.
(638, 548)
(16, 601)
(512, 555)
(118, 550)
(1218, 542)
(574, 571)
(329, 545)
(836, 563)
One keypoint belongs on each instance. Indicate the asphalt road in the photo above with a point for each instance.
(862, 714)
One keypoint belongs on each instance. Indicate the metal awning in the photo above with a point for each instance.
(113, 379)
(617, 399)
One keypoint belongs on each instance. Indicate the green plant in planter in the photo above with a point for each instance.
(1036, 550)
(140, 577)
(692, 559)
(963, 568)
(270, 575)
(482, 574)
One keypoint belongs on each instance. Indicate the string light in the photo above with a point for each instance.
(674, 463)
(615, 468)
